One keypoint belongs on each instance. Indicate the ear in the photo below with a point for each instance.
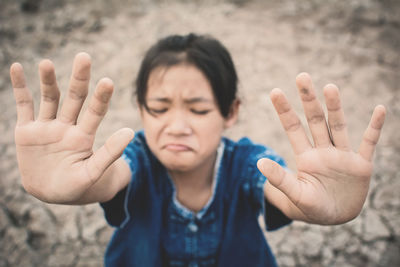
(233, 114)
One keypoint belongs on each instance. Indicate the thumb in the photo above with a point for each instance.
(280, 178)
(109, 152)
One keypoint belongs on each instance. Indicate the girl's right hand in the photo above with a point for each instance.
(54, 151)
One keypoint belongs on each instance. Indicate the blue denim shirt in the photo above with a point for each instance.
(153, 229)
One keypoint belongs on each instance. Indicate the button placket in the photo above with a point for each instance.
(193, 227)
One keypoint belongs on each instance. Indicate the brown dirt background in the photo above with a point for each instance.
(355, 44)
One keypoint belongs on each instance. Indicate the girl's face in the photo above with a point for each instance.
(184, 126)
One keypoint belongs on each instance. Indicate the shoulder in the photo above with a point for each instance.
(243, 182)
(139, 156)
(239, 162)
(137, 143)
(246, 151)
(137, 148)
(143, 163)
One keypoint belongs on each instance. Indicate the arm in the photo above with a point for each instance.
(332, 181)
(54, 151)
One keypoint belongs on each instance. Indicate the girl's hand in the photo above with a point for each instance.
(54, 152)
(332, 181)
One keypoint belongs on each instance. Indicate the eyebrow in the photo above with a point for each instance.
(191, 100)
(160, 99)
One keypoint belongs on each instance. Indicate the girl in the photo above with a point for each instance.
(181, 194)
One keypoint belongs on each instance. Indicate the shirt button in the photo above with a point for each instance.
(193, 228)
(193, 264)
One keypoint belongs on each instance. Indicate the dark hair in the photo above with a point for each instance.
(205, 53)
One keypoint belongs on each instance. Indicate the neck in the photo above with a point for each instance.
(196, 179)
(194, 187)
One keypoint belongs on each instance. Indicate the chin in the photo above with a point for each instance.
(177, 161)
(177, 167)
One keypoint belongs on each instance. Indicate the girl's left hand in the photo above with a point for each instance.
(332, 181)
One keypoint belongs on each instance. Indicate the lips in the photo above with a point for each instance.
(177, 147)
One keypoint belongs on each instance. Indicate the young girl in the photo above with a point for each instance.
(181, 194)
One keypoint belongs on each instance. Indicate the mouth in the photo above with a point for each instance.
(177, 148)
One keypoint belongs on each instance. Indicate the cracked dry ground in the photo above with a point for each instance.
(354, 44)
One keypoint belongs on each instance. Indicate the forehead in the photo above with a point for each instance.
(183, 80)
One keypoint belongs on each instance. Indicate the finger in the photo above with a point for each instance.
(280, 178)
(78, 89)
(109, 152)
(49, 89)
(290, 122)
(336, 119)
(313, 111)
(97, 107)
(22, 95)
(372, 133)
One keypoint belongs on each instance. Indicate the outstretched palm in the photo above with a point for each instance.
(54, 152)
(332, 181)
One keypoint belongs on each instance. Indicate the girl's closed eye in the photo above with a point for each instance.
(200, 111)
(157, 110)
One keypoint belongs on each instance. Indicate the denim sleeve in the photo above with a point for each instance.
(113, 209)
(273, 217)
(116, 210)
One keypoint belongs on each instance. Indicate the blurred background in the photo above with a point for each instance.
(354, 44)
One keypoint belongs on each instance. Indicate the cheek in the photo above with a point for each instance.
(211, 125)
(210, 131)
(150, 123)
(151, 129)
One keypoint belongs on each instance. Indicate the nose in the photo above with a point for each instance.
(178, 125)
